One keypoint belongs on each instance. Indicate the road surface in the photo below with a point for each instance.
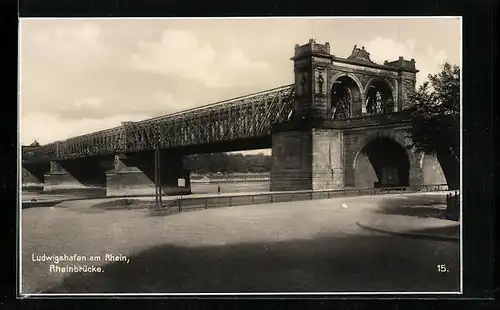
(304, 246)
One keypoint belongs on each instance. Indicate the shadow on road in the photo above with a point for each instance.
(322, 264)
(448, 231)
(430, 206)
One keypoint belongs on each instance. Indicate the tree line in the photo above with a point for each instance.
(435, 113)
(228, 163)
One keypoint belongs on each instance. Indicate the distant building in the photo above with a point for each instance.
(32, 145)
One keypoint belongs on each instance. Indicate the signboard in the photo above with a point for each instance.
(181, 182)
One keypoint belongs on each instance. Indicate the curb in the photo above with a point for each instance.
(39, 204)
(410, 235)
(43, 203)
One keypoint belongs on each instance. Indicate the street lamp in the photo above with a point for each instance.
(157, 167)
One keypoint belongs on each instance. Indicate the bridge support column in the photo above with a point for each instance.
(86, 175)
(32, 175)
(310, 159)
(134, 174)
(416, 175)
(432, 173)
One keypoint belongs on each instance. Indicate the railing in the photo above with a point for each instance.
(453, 206)
(231, 180)
(215, 201)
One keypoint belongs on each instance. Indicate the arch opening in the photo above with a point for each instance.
(382, 163)
(379, 98)
(345, 96)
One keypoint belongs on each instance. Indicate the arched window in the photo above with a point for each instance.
(344, 92)
(341, 106)
(379, 98)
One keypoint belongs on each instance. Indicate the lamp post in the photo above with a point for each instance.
(156, 178)
(157, 167)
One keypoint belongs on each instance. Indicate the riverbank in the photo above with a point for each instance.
(216, 177)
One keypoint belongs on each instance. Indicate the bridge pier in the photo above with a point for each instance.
(32, 175)
(134, 174)
(78, 175)
(432, 173)
(307, 159)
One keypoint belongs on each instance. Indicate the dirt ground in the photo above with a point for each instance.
(305, 246)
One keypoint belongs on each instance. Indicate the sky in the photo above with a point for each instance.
(83, 75)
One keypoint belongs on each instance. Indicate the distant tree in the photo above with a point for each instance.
(227, 163)
(435, 114)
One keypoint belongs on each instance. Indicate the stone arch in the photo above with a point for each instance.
(346, 96)
(371, 137)
(379, 134)
(375, 87)
(380, 79)
(396, 137)
(382, 162)
(350, 75)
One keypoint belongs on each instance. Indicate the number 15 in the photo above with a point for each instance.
(442, 268)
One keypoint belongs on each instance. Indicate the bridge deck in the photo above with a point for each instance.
(243, 117)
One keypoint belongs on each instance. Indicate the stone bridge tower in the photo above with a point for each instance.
(348, 127)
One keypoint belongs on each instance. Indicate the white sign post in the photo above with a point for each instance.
(181, 183)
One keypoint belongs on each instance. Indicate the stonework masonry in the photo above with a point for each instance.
(307, 160)
(334, 159)
(76, 174)
(133, 174)
(333, 155)
(354, 142)
(291, 164)
(327, 159)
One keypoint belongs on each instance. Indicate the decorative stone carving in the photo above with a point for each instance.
(303, 83)
(320, 81)
(360, 54)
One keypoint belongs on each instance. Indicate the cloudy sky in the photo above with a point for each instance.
(83, 75)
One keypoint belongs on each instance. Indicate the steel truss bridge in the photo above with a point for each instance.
(246, 117)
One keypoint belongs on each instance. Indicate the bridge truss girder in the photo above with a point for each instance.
(236, 119)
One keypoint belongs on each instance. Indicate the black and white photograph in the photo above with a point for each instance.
(240, 156)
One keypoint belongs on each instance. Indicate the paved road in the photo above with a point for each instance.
(306, 246)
